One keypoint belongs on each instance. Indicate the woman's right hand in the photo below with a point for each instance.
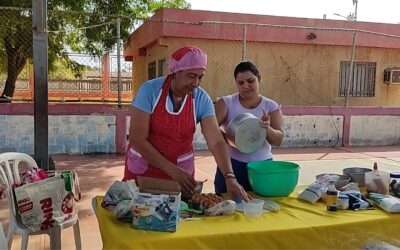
(185, 180)
(236, 190)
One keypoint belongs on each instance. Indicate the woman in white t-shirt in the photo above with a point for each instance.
(248, 100)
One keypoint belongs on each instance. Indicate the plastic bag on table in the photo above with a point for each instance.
(225, 207)
(187, 213)
(352, 186)
(357, 201)
(123, 210)
(119, 191)
(317, 189)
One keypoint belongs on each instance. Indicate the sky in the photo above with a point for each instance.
(380, 11)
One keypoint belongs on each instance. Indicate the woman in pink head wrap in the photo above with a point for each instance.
(165, 113)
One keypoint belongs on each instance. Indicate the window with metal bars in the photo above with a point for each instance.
(162, 67)
(363, 82)
(152, 70)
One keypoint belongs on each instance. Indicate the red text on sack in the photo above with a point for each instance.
(47, 209)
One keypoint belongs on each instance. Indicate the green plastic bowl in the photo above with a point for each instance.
(273, 178)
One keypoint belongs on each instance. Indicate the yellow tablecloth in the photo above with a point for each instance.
(299, 225)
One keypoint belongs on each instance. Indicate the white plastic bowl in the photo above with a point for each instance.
(253, 208)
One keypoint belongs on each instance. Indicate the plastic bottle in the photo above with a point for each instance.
(332, 197)
(343, 201)
(377, 181)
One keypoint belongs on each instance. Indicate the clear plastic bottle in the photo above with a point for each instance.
(332, 197)
(377, 181)
(370, 179)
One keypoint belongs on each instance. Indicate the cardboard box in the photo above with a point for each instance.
(156, 206)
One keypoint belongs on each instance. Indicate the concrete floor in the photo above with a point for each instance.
(98, 172)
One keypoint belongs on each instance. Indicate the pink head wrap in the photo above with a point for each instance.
(188, 57)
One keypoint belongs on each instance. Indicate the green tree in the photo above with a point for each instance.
(78, 25)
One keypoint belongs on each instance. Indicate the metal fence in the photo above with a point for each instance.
(73, 74)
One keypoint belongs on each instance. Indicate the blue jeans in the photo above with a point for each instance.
(240, 171)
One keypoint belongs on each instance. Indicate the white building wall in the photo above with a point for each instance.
(302, 131)
(312, 131)
(374, 130)
(68, 134)
(83, 134)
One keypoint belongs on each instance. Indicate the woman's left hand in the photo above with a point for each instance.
(236, 191)
(265, 120)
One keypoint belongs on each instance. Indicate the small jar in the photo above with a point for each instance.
(343, 201)
(395, 184)
(395, 176)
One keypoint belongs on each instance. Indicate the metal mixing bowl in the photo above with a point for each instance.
(357, 174)
(245, 133)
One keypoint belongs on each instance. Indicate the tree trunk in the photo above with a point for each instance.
(16, 61)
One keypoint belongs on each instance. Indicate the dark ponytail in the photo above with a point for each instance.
(245, 66)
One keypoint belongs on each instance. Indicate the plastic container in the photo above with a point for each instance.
(343, 202)
(253, 208)
(273, 178)
(377, 181)
(395, 184)
(395, 176)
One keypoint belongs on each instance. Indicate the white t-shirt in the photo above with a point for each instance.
(235, 108)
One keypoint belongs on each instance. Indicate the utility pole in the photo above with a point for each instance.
(355, 3)
(244, 42)
(351, 16)
(40, 42)
(119, 61)
(353, 49)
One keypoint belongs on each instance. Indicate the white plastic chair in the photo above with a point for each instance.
(9, 174)
(3, 242)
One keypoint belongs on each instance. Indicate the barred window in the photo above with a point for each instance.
(162, 67)
(363, 83)
(152, 70)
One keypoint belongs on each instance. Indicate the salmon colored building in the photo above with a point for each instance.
(303, 62)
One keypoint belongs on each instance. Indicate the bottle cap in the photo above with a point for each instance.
(395, 175)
